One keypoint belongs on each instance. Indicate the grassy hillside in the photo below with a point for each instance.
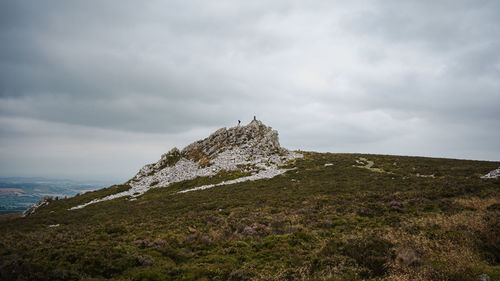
(402, 218)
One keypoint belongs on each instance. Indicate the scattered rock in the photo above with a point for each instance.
(367, 164)
(265, 174)
(425, 176)
(53, 225)
(484, 277)
(32, 209)
(328, 164)
(492, 174)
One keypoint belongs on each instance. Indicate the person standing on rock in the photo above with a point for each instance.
(239, 122)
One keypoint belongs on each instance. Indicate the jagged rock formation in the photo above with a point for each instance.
(32, 209)
(224, 149)
(252, 148)
(492, 174)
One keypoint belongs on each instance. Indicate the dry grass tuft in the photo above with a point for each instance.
(476, 202)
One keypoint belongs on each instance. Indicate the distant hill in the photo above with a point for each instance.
(240, 153)
(322, 216)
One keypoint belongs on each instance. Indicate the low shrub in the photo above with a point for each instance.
(371, 252)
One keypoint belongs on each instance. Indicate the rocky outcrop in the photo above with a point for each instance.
(492, 174)
(253, 148)
(221, 149)
(226, 149)
(32, 209)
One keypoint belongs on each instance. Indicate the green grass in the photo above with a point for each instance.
(311, 223)
(171, 159)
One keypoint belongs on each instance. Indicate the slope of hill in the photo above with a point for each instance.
(327, 217)
(250, 152)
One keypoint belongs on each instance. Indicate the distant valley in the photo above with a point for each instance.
(17, 193)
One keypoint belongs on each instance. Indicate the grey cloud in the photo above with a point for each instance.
(441, 25)
(400, 77)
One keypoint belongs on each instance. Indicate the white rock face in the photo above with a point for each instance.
(265, 174)
(252, 148)
(492, 175)
(32, 209)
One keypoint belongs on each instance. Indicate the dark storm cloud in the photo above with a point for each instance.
(399, 77)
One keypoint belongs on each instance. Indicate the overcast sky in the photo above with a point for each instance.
(96, 89)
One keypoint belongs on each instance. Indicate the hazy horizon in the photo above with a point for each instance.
(95, 90)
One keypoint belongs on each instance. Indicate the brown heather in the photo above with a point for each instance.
(317, 222)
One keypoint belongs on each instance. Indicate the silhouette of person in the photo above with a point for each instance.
(239, 122)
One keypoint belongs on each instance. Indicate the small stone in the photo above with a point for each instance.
(484, 277)
(32, 209)
(406, 256)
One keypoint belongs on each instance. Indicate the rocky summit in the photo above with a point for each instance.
(253, 149)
